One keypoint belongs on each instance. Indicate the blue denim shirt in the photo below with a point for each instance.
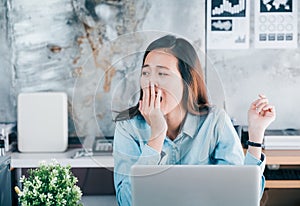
(203, 140)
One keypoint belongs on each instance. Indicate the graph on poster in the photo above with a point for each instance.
(276, 24)
(228, 8)
(276, 6)
(228, 24)
(221, 25)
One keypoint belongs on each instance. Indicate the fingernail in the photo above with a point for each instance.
(262, 96)
(257, 111)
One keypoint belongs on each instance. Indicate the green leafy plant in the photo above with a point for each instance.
(49, 184)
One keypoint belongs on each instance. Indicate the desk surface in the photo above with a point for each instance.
(32, 160)
(27, 160)
(283, 157)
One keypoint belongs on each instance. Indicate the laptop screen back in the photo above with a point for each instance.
(208, 185)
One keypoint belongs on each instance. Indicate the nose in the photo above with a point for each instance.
(154, 80)
(150, 79)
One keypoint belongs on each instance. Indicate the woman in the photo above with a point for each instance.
(173, 122)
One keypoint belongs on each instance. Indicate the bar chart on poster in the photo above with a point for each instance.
(227, 8)
(228, 24)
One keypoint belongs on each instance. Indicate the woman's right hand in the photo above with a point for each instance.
(149, 107)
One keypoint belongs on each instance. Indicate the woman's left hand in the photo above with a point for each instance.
(260, 115)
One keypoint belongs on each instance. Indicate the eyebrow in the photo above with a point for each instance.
(158, 66)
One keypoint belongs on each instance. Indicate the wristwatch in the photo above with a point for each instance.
(253, 144)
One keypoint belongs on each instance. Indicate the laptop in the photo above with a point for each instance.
(207, 185)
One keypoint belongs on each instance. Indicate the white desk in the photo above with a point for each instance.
(32, 160)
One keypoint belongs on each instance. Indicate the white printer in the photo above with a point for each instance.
(42, 122)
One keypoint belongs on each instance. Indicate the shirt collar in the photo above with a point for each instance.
(191, 124)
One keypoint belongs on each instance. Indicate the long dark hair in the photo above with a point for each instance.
(195, 98)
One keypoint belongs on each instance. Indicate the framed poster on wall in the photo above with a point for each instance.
(228, 24)
(276, 24)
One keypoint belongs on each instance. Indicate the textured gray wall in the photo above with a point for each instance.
(89, 49)
(246, 73)
(92, 51)
(7, 108)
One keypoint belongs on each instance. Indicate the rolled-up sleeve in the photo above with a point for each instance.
(128, 151)
(149, 156)
(229, 149)
(251, 160)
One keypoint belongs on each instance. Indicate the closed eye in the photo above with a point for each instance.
(162, 74)
(144, 73)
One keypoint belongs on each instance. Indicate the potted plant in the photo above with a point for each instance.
(49, 184)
